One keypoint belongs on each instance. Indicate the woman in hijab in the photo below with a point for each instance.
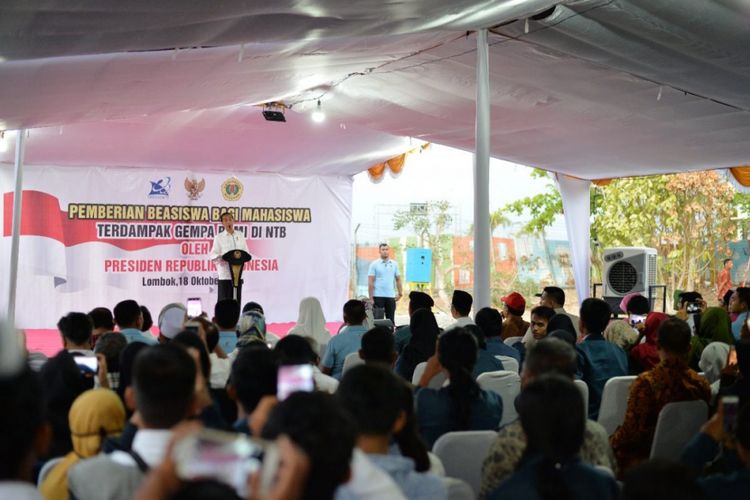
(644, 355)
(621, 334)
(421, 346)
(714, 326)
(251, 328)
(712, 362)
(95, 415)
(311, 322)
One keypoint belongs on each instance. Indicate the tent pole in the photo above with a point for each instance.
(20, 153)
(482, 237)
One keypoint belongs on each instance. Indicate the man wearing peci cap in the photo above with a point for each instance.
(514, 325)
(417, 300)
(460, 308)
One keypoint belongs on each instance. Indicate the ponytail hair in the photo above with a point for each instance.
(408, 439)
(457, 353)
(552, 398)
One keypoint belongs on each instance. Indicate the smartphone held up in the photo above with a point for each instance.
(226, 457)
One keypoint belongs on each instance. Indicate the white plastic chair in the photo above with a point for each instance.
(507, 385)
(436, 382)
(457, 489)
(46, 469)
(509, 364)
(614, 402)
(678, 422)
(512, 340)
(351, 360)
(584, 392)
(463, 453)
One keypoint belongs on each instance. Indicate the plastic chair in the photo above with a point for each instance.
(614, 402)
(509, 364)
(458, 490)
(351, 360)
(512, 340)
(584, 392)
(436, 382)
(46, 469)
(678, 422)
(507, 385)
(463, 453)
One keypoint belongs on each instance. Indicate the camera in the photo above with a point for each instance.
(693, 308)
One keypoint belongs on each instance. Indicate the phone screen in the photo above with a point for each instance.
(294, 378)
(731, 407)
(226, 457)
(636, 319)
(87, 364)
(194, 307)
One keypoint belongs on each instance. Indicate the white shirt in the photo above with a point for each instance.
(150, 444)
(324, 382)
(368, 482)
(223, 243)
(461, 322)
(220, 370)
(19, 490)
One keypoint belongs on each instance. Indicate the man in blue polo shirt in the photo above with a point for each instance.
(129, 319)
(381, 276)
(348, 340)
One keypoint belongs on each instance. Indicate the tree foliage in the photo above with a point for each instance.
(541, 208)
(686, 217)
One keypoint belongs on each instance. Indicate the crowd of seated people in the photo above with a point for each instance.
(122, 413)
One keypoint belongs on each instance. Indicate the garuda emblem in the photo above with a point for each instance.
(194, 187)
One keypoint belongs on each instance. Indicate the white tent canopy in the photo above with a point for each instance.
(577, 94)
(590, 88)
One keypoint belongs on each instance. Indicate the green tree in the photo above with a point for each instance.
(686, 217)
(430, 226)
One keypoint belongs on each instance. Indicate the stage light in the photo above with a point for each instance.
(318, 116)
(274, 112)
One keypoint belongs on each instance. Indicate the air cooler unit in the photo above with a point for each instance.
(628, 270)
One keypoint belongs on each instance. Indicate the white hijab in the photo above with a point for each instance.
(311, 322)
(713, 359)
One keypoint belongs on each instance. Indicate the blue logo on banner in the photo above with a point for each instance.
(160, 188)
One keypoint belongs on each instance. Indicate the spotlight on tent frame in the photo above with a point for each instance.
(274, 112)
(318, 116)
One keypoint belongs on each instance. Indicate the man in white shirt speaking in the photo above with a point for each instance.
(227, 240)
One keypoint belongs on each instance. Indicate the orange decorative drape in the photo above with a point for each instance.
(395, 164)
(741, 175)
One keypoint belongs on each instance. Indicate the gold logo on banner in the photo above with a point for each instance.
(194, 187)
(232, 189)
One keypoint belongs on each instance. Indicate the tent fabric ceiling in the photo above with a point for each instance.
(596, 89)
